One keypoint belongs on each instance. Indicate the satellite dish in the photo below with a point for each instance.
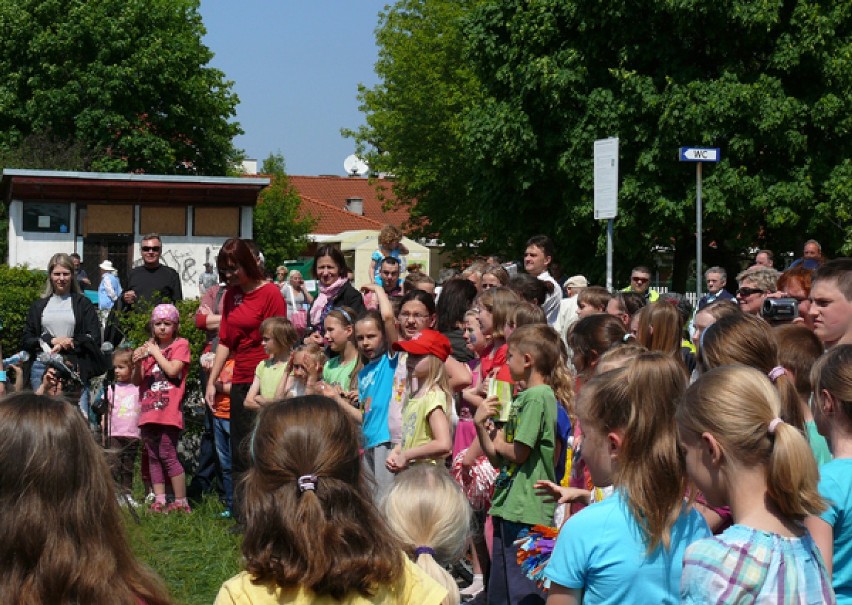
(355, 166)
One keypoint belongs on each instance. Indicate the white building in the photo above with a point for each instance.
(102, 216)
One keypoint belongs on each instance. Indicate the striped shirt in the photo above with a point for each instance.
(744, 565)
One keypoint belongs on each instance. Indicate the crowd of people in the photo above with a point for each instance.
(578, 445)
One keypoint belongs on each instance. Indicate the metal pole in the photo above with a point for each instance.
(698, 263)
(609, 255)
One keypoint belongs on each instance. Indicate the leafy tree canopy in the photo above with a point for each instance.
(771, 85)
(127, 79)
(278, 230)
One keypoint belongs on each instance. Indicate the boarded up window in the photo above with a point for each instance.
(165, 220)
(223, 222)
(108, 218)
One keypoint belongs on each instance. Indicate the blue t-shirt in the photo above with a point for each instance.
(601, 550)
(835, 485)
(375, 386)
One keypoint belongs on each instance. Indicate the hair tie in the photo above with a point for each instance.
(775, 372)
(773, 425)
(424, 550)
(307, 482)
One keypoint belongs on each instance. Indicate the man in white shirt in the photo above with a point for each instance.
(537, 259)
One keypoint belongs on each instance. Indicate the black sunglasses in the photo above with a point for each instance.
(746, 292)
(150, 248)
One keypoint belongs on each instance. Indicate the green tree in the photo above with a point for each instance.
(414, 116)
(278, 230)
(127, 79)
(770, 86)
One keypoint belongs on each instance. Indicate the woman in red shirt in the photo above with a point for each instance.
(248, 300)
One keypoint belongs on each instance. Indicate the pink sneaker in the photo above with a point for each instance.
(158, 507)
(176, 507)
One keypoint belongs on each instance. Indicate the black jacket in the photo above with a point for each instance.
(347, 297)
(87, 335)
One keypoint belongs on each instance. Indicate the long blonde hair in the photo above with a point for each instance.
(426, 509)
(736, 404)
(639, 399)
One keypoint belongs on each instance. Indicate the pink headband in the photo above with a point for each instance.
(167, 312)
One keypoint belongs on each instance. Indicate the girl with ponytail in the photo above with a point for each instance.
(313, 534)
(740, 453)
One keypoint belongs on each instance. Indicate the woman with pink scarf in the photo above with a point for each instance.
(334, 289)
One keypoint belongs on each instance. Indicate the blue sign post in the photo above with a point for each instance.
(698, 155)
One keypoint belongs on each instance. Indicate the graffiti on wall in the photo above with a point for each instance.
(186, 262)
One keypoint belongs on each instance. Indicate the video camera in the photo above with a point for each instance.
(780, 310)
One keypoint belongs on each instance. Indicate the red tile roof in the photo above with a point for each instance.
(324, 197)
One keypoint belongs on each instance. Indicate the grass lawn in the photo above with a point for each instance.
(194, 553)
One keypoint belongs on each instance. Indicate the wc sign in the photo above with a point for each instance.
(699, 154)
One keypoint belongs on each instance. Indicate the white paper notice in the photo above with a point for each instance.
(606, 178)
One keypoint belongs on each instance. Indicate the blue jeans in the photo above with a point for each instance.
(222, 437)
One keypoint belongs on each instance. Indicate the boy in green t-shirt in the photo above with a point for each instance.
(523, 451)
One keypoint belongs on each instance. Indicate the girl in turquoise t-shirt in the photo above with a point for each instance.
(628, 548)
(831, 378)
(278, 337)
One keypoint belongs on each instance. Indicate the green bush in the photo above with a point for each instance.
(21, 287)
(134, 324)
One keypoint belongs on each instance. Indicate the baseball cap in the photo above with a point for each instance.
(577, 281)
(426, 342)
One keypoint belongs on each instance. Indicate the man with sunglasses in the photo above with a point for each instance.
(640, 282)
(755, 284)
(152, 280)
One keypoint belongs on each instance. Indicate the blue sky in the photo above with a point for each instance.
(296, 66)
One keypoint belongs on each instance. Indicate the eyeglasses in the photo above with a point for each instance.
(150, 248)
(639, 280)
(489, 286)
(746, 292)
(414, 316)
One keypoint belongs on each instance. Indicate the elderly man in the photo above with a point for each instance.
(152, 277)
(716, 278)
(811, 256)
(755, 284)
(831, 302)
(640, 282)
(537, 258)
(764, 258)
